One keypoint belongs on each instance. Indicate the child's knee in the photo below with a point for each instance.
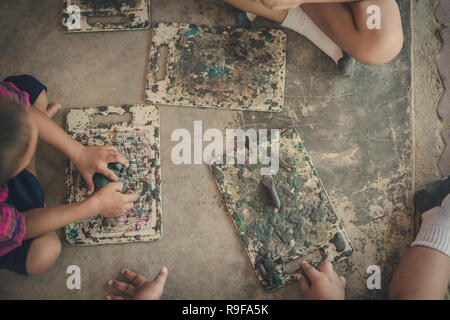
(380, 48)
(42, 101)
(43, 253)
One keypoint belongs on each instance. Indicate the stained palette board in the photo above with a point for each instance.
(305, 227)
(129, 15)
(138, 141)
(217, 67)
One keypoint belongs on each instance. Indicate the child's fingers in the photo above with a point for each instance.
(131, 196)
(111, 297)
(127, 288)
(108, 174)
(311, 272)
(135, 278)
(326, 267)
(302, 283)
(161, 277)
(281, 5)
(285, 7)
(89, 183)
(115, 157)
(109, 148)
(128, 200)
(116, 186)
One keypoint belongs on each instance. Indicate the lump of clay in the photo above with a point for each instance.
(270, 185)
(269, 265)
(339, 242)
(262, 270)
(318, 214)
(100, 181)
(296, 218)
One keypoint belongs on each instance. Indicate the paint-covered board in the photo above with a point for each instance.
(137, 139)
(217, 67)
(105, 15)
(304, 227)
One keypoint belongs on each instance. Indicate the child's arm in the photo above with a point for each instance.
(88, 160)
(109, 202)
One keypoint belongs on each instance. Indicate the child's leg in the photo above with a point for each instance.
(296, 20)
(423, 273)
(346, 24)
(42, 104)
(45, 249)
(259, 9)
(43, 252)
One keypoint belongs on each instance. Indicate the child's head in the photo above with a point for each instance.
(18, 138)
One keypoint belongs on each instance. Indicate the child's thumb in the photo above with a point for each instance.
(303, 283)
(161, 277)
(89, 184)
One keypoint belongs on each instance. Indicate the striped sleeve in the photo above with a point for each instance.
(12, 225)
(9, 89)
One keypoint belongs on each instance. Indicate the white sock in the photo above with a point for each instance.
(251, 16)
(300, 22)
(435, 229)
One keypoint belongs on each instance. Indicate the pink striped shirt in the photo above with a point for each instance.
(12, 222)
(9, 89)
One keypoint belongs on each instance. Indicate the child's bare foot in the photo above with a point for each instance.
(52, 109)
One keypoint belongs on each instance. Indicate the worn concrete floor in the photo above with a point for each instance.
(370, 182)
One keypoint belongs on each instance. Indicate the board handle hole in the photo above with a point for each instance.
(113, 118)
(93, 20)
(161, 63)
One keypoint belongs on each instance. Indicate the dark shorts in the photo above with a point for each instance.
(25, 191)
(28, 84)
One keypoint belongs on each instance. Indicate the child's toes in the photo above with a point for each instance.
(53, 108)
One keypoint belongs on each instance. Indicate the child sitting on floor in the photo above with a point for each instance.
(28, 241)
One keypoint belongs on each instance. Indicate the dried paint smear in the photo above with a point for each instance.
(304, 227)
(217, 67)
(138, 141)
(130, 15)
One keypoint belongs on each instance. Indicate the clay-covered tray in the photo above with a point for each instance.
(105, 15)
(305, 227)
(138, 141)
(217, 67)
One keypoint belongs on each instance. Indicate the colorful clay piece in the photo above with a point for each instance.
(269, 184)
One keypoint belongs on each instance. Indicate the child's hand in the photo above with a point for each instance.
(111, 202)
(323, 283)
(139, 288)
(95, 159)
(280, 4)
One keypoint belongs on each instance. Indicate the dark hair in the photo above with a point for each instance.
(14, 136)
